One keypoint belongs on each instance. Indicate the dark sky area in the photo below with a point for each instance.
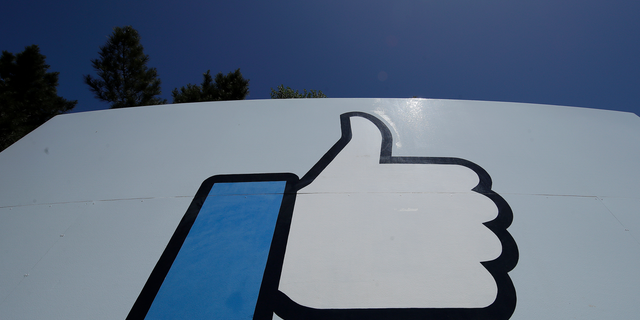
(564, 52)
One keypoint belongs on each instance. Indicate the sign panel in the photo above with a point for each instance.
(323, 209)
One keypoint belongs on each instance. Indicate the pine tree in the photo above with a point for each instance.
(28, 94)
(288, 93)
(230, 87)
(124, 78)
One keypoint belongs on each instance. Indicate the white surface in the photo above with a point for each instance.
(569, 174)
(576, 260)
(80, 260)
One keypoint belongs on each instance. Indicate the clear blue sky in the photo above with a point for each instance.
(575, 53)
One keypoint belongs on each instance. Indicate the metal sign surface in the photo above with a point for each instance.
(323, 209)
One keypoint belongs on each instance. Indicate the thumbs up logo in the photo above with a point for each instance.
(362, 235)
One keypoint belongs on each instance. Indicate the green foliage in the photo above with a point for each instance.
(28, 94)
(124, 78)
(230, 87)
(288, 93)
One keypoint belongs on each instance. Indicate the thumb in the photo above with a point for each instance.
(365, 138)
(365, 142)
(361, 161)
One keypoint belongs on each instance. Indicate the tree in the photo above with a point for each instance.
(124, 78)
(28, 94)
(288, 93)
(230, 87)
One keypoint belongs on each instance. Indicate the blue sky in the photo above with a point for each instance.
(575, 53)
